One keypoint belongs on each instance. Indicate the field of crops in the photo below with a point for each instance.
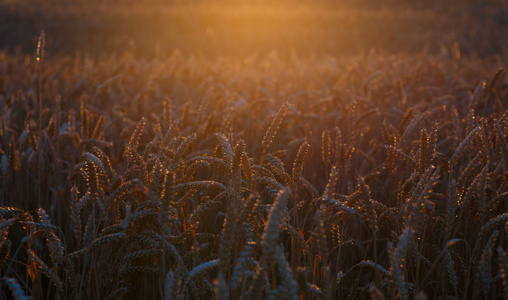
(237, 159)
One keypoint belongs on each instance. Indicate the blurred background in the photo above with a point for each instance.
(156, 28)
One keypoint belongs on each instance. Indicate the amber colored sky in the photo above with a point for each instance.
(155, 28)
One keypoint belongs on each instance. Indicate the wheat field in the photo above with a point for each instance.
(275, 175)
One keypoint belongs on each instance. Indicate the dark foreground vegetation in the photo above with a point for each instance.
(279, 175)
